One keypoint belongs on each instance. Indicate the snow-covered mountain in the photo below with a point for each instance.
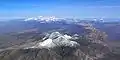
(44, 19)
(48, 19)
(56, 39)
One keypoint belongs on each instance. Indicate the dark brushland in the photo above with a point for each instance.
(98, 40)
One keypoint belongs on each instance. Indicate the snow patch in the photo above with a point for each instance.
(47, 43)
(67, 37)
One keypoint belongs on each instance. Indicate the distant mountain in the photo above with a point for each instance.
(20, 31)
(44, 19)
(111, 29)
(45, 24)
(21, 25)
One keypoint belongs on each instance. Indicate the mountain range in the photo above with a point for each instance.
(51, 38)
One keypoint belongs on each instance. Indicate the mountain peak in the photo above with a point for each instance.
(44, 18)
(56, 39)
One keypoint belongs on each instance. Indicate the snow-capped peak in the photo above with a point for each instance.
(44, 18)
(56, 39)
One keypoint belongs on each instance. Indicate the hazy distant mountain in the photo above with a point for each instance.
(20, 31)
(44, 24)
(111, 29)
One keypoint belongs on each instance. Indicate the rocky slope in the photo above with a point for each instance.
(57, 46)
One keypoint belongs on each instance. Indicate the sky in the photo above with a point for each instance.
(62, 8)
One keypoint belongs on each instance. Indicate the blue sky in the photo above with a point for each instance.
(60, 8)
